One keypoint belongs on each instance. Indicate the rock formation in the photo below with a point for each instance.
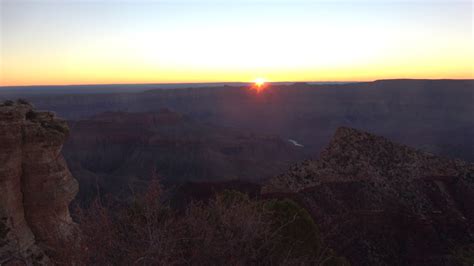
(354, 155)
(36, 186)
(385, 203)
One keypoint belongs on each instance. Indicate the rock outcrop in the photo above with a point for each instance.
(385, 203)
(356, 155)
(36, 186)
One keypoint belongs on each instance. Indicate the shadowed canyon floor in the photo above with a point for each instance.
(117, 153)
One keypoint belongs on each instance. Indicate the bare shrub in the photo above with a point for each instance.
(230, 229)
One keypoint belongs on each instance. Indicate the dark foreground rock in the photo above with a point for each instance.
(381, 203)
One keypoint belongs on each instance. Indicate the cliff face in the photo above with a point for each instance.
(36, 186)
(385, 203)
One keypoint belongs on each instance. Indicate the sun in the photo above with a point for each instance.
(259, 82)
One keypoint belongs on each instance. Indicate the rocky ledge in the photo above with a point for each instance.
(354, 155)
(36, 186)
(385, 203)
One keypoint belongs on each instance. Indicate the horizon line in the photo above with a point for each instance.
(220, 82)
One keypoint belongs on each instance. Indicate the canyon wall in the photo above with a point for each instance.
(36, 186)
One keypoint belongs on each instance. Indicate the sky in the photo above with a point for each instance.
(111, 42)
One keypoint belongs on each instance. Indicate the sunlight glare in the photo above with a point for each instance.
(259, 82)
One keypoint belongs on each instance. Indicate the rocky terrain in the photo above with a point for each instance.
(36, 186)
(385, 203)
(376, 202)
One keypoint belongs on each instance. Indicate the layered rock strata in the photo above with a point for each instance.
(36, 186)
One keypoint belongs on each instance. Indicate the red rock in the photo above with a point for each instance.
(36, 186)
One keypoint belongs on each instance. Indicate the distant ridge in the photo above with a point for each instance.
(141, 87)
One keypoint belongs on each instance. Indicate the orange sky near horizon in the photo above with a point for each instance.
(69, 42)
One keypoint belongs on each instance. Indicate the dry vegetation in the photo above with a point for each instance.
(231, 229)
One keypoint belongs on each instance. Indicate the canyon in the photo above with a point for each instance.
(405, 198)
(432, 115)
(118, 153)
